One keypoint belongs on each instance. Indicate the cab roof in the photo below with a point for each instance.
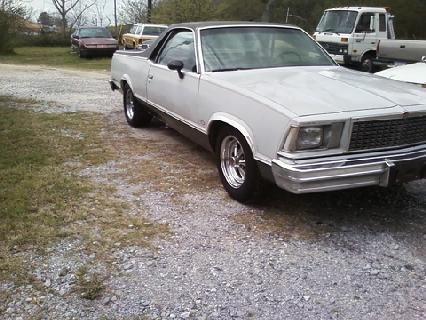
(361, 9)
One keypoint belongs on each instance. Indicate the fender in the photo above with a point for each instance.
(235, 123)
(126, 78)
(243, 128)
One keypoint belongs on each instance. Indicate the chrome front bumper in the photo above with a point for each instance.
(351, 171)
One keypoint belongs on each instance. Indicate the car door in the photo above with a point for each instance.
(366, 32)
(165, 88)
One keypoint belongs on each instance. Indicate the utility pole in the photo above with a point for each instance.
(115, 18)
(149, 10)
(288, 13)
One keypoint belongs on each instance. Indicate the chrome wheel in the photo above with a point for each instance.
(232, 161)
(130, 105)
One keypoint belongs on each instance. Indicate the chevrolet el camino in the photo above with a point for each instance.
(272, 104)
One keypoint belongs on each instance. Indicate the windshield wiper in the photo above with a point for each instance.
(229, 69)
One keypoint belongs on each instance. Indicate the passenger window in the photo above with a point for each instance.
(366, 23)
(180, 46)
(382, 23)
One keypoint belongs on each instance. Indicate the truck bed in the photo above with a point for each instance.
(403, 51)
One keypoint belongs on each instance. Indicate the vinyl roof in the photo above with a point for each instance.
(204, 24)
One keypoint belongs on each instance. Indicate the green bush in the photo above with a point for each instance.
(9, 25)
(51, 39)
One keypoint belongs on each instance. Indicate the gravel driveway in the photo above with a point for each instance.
(356, 254)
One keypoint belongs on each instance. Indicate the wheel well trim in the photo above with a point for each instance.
(235, 123)
(126, 79)
(368, 51)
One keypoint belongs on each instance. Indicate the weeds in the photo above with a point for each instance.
(55, 57)
(44, 197)
(89, 284)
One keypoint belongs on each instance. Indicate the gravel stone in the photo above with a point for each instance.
(318, 256)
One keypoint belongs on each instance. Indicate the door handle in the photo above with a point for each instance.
(150, 76)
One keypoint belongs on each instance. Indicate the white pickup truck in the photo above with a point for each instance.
(365, 36)
(272, 104)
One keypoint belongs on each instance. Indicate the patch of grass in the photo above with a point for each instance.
(176, 168)
(55, 57)
(90, 285)
(43, 195)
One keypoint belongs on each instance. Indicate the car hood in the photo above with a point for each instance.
(99, 41)
(316, 90)
(414, 73)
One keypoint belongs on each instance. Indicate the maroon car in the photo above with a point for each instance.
(93, 41)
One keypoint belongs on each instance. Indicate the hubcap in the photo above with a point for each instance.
(130, 105)
(232, 161)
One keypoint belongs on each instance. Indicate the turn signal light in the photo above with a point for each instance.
(344, 39)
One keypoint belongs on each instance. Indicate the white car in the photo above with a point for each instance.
(412, 73)
(272, 104)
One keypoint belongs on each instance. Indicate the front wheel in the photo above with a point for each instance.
(136, 115)
(237, 169)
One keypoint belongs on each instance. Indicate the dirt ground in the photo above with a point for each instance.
(356, 254)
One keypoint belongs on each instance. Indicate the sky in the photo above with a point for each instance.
(47, 5)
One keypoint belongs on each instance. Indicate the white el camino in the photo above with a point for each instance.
(271, 104)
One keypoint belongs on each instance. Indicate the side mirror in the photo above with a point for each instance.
(75, 36)
(176, 65)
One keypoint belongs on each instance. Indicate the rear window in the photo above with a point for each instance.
(95, 33)
(153, 31)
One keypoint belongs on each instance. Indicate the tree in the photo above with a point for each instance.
(12, 17)
(266, 16)
(71, 12)
(133, 11)
(175, 11)
(100, 13)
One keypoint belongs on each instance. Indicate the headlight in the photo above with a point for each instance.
(314, 138)
(309, 138)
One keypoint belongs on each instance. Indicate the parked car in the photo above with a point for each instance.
(271, 103)
(139, 33)
(412, 73)
(93, 41)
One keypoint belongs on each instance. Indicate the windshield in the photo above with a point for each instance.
(338, 21)
(228, 49)
(95, 33)
(153, 31)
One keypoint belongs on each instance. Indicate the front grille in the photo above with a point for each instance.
(387, 133)
(334, 48)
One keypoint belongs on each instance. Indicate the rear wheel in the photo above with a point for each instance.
(367, 63)
(237, 169)
(136, 115)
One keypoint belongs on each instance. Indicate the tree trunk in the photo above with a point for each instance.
(266, 16)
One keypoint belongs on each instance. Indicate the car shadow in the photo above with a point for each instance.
(399, 211)
(396, 210)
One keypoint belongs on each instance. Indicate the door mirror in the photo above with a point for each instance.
(176, 65)
(74, 36)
